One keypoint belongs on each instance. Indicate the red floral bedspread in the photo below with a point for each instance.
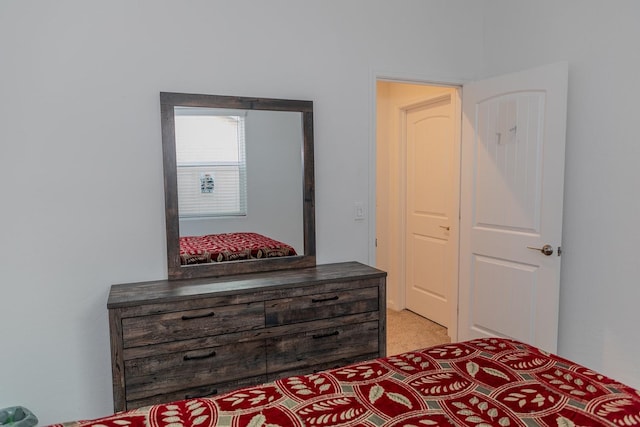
(488, 382)
(230, 247)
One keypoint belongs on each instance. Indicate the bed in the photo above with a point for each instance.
(230, 247)
(483, 382)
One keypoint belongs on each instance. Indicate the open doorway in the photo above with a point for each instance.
(417, 197)
(511, 139)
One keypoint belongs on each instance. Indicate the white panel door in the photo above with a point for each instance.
(432, 160)
(513, 142)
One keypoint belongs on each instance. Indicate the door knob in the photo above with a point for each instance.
(546, 249)
(445, 227)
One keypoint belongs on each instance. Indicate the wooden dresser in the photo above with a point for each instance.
(179, 339)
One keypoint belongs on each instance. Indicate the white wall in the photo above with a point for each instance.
(81, 162)
(600, 285)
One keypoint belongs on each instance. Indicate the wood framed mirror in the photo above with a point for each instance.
(257, 189)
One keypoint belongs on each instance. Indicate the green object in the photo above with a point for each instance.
(17, 416)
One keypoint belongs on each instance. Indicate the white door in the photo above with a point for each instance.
(432, 168)
(513, 140)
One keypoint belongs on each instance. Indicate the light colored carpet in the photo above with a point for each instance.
(407, 331)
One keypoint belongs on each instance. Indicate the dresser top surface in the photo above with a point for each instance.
(127, 294)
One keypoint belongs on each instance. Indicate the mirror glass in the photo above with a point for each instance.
(239, 190)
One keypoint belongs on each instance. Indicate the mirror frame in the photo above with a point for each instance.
(169, 100)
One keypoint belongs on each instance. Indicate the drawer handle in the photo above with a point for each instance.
(333, 298)
(330, 334)
(203, 356)
(198, 316)
(212, 392)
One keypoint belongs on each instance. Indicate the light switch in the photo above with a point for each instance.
(359, 211)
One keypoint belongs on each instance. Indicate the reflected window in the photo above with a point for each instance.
(211, 162)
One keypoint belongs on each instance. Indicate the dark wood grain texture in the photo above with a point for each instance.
(326, 305)
(193, 392)
(117, 356)
(186, 324)
(174, 371)
(321, 346)
(171, 339)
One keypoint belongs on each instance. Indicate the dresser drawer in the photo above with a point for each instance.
(320, 306)
(333, 364)
(149, 376)
(322, 346)
(192, 393)
(187, 324)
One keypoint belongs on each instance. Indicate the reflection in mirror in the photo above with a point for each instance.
(238, 184)
(229, 160)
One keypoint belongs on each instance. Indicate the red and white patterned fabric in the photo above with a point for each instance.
(230, 247)
(485, 382)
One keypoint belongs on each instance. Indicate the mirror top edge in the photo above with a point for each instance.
(240, 102)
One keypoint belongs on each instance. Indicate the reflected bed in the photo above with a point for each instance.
(484, 382)
(212, 248)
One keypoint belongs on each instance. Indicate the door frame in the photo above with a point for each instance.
(400, 109)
